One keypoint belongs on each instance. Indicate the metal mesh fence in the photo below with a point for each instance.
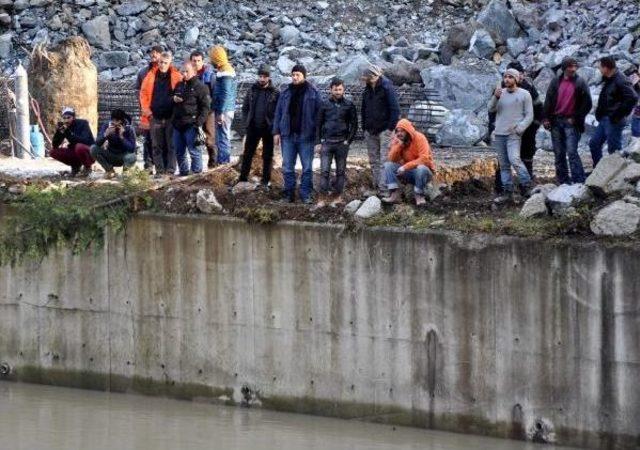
(420, 105)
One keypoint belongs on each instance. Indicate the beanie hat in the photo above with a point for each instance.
(372, 70)
(300, 68)
(513, 72)
(515, 65)
(264, 70)
(68, 110)
(569, 62)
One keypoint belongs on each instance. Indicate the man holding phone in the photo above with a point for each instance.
(78, 137)
(116, 144)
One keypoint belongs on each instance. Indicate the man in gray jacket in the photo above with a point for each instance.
(514, 113)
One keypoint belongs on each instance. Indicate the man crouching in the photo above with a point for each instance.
(116, 144)
(410, 161)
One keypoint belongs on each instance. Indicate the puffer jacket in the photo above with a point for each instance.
(194, 107)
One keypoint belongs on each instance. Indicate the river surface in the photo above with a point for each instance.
(36, 417)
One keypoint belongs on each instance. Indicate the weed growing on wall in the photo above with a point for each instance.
(71, 215)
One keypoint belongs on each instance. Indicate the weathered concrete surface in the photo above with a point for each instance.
(498, 336)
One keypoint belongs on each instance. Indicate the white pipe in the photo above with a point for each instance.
(21, 89)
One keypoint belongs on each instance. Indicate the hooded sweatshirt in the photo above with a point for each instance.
(225, 89)
(416, 153)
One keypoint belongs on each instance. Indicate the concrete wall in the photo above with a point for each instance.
(500, 336)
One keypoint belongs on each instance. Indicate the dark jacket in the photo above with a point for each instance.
(310, 106)
(617, 98)
(380, 108)
(583, 101)
(78, 133)
(117, 144)
(337, 121)
(142, 73)
(249, 103)
(208, 78)
(162, 99)
(538, 107)
(194, 108)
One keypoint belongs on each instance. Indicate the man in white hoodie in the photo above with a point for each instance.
(514, 113)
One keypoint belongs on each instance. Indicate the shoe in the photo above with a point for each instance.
(74, 172)
(420, 200)
(110, 174)
(393, 197)
(265, 187)
(85, 171)
(307, 201)
(504, 198)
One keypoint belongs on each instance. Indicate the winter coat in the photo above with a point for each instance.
(79, 132)
(225, 92)
(146, 92)
(418, 152)
(583, 102)
(380, 108)
(310, 107)
(617, 98)
(249, 103)
(208, 78)
(194, 108)
(337, 121)
(117, 144)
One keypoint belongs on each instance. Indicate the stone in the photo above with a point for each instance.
(459, 37)
(633, 150)
(6, 46)
(517, 46)
(115, 59)
(498, 20)
(402, 71)
(370, 208)
(97, 32)
(243, 186)
(5, 19)
(352, 206)
(482, 44)
(543, 80)
(566, 196)
(191, 36)
(433, 190)
(624, 181)
(207, 203)
(289, 35)
(543, 189)
(132, 8)
(554, 59)
(535, 206)
(461, 128)
(617, 219)
(351, 70)
(606, 170)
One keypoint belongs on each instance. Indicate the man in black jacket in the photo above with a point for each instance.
(258, 109)
(380, 114)
(192, 104)
(154, 55)
(566, 105)
(116, 143)
(336, 127)
(79, 139)
(615, 103)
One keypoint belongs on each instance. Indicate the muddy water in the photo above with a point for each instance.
(41, 417)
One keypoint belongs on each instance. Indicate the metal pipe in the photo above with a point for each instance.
(21, 89)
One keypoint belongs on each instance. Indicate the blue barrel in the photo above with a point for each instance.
(37, 141)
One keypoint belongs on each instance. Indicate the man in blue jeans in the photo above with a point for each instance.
(191, 108)
(224, 101)
(615, 103)
(294, 129)
(567, 103)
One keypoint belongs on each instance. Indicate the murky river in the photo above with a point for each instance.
(41, 417)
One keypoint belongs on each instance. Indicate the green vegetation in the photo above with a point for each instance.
(72, 215)
(259, 215)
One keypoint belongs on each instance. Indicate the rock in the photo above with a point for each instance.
(352, 206)
(351, 70)
(5, 19)
(617, 219)
(97, 32)
(461, 128)
(403, 71)
(543, 80)
(535, 206)
(606, 170)
(633, 150)
(132, 8)
(114, 59)
(459, 37)
(433, 191)
(632, 199)
(243, 186)
(516, 46)
(6, 46)
(554, 59)
(206, 202)
(543, 189)
(370, 208)
(191, 36)
(17, 189)
(624, 181)
(482, 44)
(566, 196)
(498, 20)
(289, 35)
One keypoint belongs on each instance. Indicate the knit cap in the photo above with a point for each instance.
(300, 68)
(219, 59)
(513, 72)
(372, 70)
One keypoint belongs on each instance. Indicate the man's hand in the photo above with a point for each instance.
(546, 123)
(497, 92)
(110, 130)
(318, 148)
(177, 99)
(401, 171)
(276, 140)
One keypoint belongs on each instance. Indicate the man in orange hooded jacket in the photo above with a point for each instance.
(409, 160)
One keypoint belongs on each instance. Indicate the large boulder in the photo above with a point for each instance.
(370, 208)
(461, 128)
(403, 71)
(459, 37)
(624, 181)
(567, 196)
(497, 18)
(97, 32)
(535, 206)
(482, 44)
(606, 170)
(633, 150)
(351, 70)
(543, 80)
(617, 219)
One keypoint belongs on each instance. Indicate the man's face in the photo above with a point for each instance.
(371, 80)
(337, 92)
(67, 119)
(164, 64)
(509, 81)
(198, 62)
(402, 136)
(297, 77)
(188, 71)
(263, 80)
(117, 122)
(605, 71)
(154, 56)
(571, 71)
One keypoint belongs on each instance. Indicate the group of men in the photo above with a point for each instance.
(517, 113)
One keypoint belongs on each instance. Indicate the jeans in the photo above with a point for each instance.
(565, 139)
(527, 151)
(164, 153)
(109, 159)
(223, 138)
(377, 150)
(147, 149)
(210, 131)
(339, 152)
(608, 132)
(253, 137)
(292, 147)
(508, 150)
(74, 155)
(419, 177)
(184, 141)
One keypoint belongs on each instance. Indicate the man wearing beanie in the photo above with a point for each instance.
(514, 113)
(380, 114)
(224, 101)
(258, 109)
(566, 105)
(294, 127)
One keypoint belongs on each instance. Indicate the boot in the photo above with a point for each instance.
(393, 197)
(420, 200)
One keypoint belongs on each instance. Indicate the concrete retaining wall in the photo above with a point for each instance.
(499, 336)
